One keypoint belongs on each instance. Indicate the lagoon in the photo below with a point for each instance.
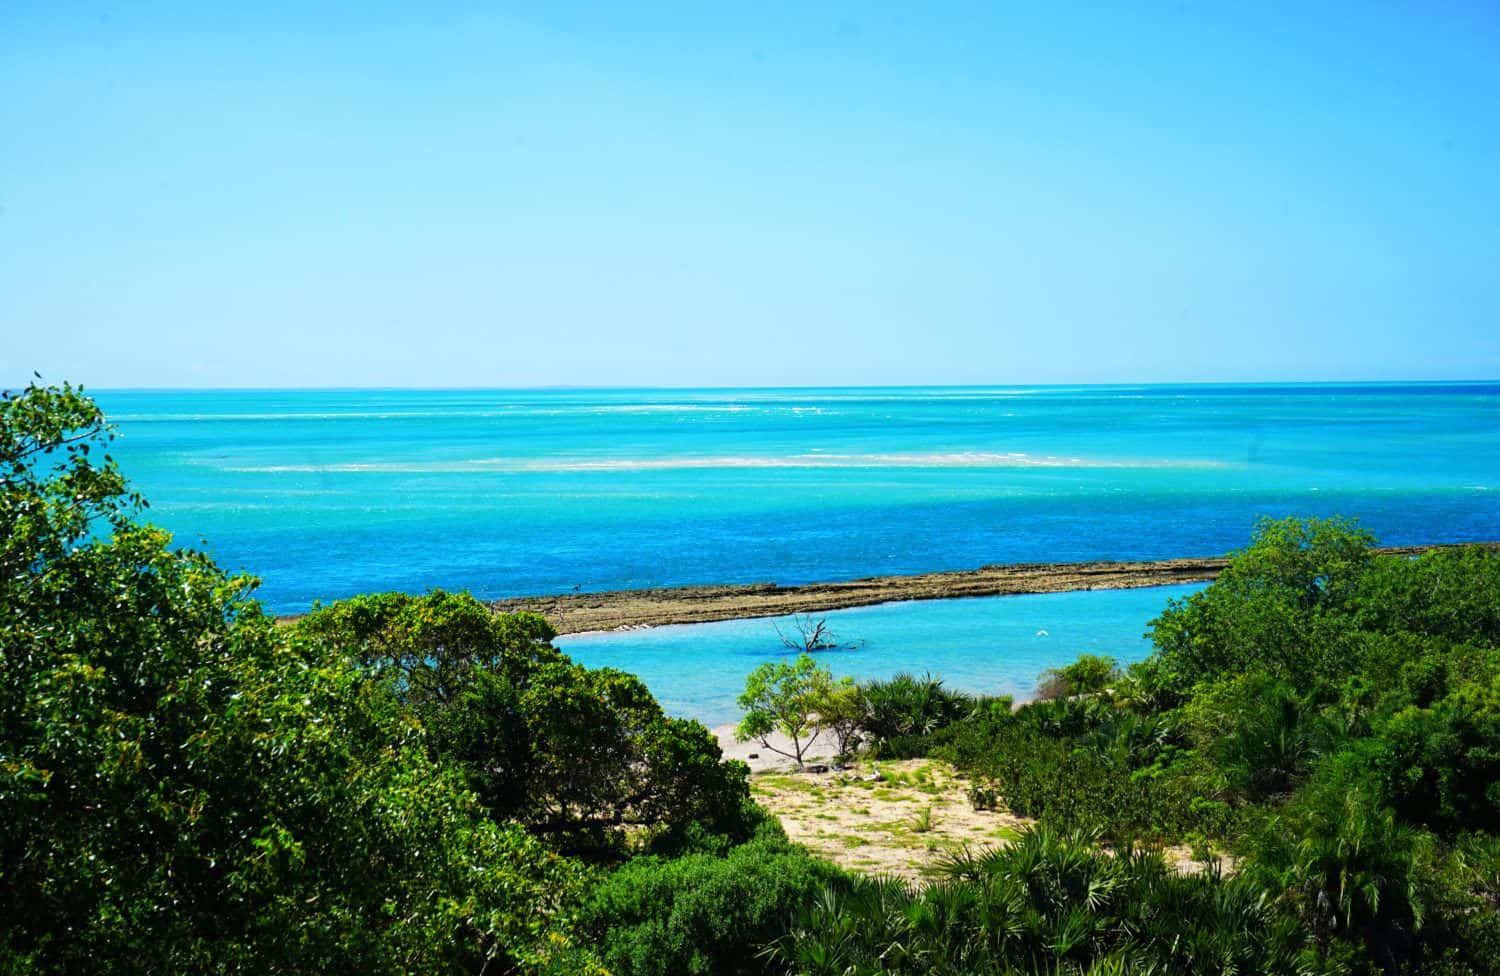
(994, 645)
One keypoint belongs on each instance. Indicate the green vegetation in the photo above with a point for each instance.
(186, 788)
(702, 913)
(1327, 716)
(581, 757)
(1048, 903)
(783, 697)
(1089, 674)
(901, 712)
(413, 784)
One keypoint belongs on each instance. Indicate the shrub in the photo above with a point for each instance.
(1048, 903)
(1465, 892)
(1347, 865)
(982, 797)
(701, 913)
(1089, 674)
(905, 709)
(1258, 733)
(1440, 766)
(966, 742)
(1070, 788)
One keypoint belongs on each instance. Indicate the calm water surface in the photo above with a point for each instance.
(988, 644)
(326, 494)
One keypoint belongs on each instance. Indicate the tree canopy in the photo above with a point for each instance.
(579, 756)
(186, 787)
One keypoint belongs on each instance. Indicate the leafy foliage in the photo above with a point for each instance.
(842, 710)
(1329, 714)
(183, 788)
(1276, 608)
(187, 786)
(702, 913)
(576, 754)
(783, 697)
(1048, 903)
(905, 708)
(1090, 673)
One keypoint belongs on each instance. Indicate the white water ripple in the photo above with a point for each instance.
(957, 459)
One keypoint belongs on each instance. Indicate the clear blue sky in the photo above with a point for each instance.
(723, 194)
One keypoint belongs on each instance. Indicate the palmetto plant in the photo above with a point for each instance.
(1348, 864)
(1049, 903)
(906, 705)
(1270, 747)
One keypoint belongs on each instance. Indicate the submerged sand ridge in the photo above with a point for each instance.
(574, 613)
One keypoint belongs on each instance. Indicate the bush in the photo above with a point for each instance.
(1048, 903)
(702, 913)
(966, 742)
(905, 709)
(1089, 674)
(1347, 865)
(982, 797)
(1067, 788)
(1440, 766)
(1258, 732)
(1465, 892)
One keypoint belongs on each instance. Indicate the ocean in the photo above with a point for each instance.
(323, 494)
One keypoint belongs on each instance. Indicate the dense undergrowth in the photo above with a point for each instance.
(411, 784)
(1327, 716)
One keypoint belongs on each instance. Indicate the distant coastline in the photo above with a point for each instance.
(578, 613)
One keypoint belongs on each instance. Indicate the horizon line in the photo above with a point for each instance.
(623, 387)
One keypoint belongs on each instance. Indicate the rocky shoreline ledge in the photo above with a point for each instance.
(574, 613)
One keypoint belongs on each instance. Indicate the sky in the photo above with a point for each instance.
(488, 195)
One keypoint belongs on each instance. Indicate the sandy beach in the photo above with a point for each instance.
(761, 760)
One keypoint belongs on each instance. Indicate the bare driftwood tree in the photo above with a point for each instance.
(808, 634)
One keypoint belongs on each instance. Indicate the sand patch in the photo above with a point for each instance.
(907, 823)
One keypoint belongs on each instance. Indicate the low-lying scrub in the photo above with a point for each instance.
(1049, 903)
(705, 913)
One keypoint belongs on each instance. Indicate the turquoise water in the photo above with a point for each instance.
(989, 644)
(324, 494)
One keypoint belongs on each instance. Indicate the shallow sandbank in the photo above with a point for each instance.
(574, 613)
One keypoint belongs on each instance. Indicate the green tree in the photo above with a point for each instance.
(841, 709)
(183, 788)
(459, 669)
(782, 697)
(584, 757)
(1275, 608)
